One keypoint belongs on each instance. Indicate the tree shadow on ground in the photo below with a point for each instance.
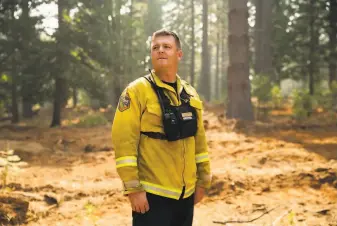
(321, 140)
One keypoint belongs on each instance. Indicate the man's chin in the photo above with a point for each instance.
(162, 66)
(162, 62)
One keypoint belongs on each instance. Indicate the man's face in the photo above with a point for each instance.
(164, 52)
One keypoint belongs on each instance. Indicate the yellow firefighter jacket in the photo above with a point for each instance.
(157, 166)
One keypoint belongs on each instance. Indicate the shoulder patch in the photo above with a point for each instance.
(124, 102)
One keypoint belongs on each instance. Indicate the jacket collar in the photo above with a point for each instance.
(161, 84)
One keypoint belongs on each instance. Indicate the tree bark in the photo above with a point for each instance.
(312, 46)
(14, 107)
(27, 99)
(130, 57)
(192, 65)
(239, 97)
(60, 92)
(277, 66)
(263, 26)
(154, 21)
(223, 82)
(117, 51)
(60, 84)
(332, 42)
(217, 68)
(204, 81)
(27, 108)
(75, 99)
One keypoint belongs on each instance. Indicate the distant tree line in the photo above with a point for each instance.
(100, 46)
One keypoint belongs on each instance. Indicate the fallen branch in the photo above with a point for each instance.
(248, 221)
(280, 217)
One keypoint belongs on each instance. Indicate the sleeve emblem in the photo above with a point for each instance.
(124, 102)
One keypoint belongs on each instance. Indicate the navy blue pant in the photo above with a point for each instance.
(165, 212)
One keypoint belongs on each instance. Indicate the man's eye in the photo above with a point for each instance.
(155, 48)
(167, 47)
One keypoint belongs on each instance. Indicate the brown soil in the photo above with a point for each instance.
(288, 168)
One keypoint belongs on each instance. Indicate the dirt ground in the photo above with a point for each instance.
(276, 173)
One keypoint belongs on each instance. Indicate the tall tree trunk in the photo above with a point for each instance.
(60, 80)
(27, 99)
(113, 29)
(153, 23)
(108, 6)
(59, 88)
(130, 46)
(75, 99)
(278, 66)
(192, 65)
(223, 78)
(204, 81)
(223, 83)
(263, 26)
(312, 46)
(27, 108)
(217, 68)
(117, 51)
(154, 20)
(333, 41)
(211, 78)
(239, 96)
(14, 107)
(257, 36)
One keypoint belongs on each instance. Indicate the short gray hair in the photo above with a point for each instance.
(164, 32)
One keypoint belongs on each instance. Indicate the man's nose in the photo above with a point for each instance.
(161, 49)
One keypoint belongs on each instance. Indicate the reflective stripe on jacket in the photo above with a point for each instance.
(157, 166)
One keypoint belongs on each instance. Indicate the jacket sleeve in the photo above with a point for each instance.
(202, 157)
(125, 139)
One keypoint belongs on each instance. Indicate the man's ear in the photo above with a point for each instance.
(180, 54)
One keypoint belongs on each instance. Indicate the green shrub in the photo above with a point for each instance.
(261, 88)
(92, 119)
(276, 96)
(326, 98)
(303, 104)
(83, 98)
(269, 95)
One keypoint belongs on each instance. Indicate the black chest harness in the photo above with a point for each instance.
(179, 122)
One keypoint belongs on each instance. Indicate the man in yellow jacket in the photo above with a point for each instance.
(160, 143)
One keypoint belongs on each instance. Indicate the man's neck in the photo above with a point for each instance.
(167, 75)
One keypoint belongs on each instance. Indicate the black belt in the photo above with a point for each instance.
(155, 135)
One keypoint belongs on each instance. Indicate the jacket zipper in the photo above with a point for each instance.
(179, 102)
(184, 164)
